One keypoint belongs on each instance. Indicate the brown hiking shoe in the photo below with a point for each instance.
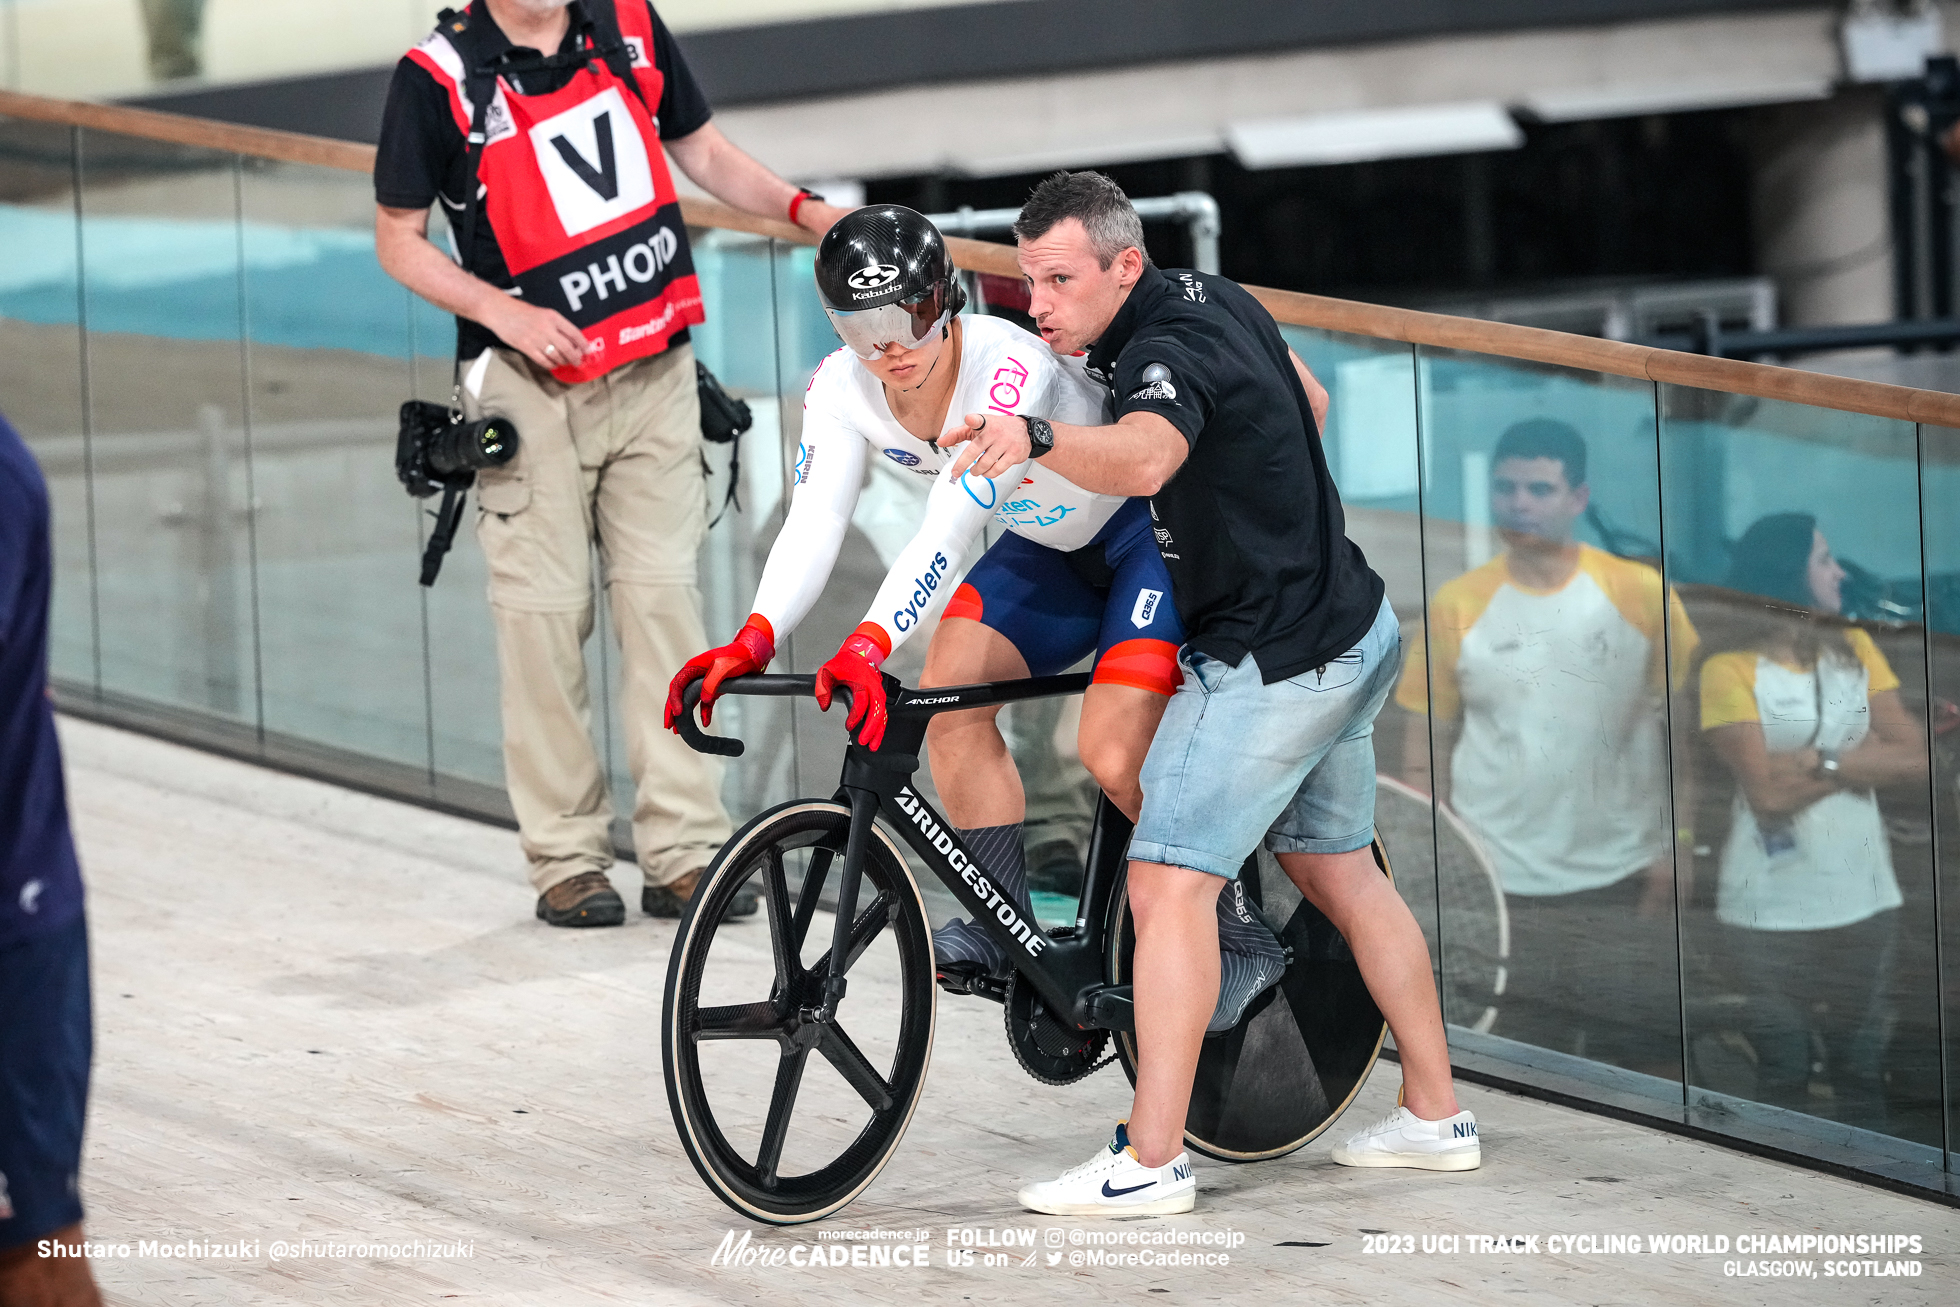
(587, 899)
(671, 899)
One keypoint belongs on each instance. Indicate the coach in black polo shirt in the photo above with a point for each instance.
(1291, 651)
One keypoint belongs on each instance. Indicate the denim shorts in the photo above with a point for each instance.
(1236, 760)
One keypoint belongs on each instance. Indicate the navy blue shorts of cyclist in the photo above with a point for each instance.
(1112, 597)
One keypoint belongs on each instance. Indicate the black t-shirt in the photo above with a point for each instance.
(1250, 527)
(422, 152)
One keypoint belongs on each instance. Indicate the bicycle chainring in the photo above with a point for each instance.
(1048, 1047)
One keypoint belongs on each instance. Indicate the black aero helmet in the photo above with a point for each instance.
(884, 277)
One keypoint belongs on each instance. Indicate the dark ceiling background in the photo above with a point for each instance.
(1014, 38)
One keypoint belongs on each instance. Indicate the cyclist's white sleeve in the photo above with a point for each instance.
(829, 475)
(955, 511)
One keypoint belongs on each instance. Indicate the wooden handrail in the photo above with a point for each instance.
(1436, 330)
(180, 129)
(1616, 357)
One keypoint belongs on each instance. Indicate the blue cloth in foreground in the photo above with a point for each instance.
(40, 880)
(45, 1045)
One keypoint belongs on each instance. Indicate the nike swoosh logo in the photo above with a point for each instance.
(1118, 1193)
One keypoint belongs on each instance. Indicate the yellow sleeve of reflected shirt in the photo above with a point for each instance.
(1728, 690)
(1431, 664)
(1728, 681)
(1878, 670)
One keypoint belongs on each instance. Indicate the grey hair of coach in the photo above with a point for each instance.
(1093, 200)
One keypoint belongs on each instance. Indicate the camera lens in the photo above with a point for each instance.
(472, 446)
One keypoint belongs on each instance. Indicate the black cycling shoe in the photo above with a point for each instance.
(1241, 980)
(960, 941)
(662, 901)
(1251, 960)
(967, 961)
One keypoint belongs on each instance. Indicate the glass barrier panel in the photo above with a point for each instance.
(1808, 935)
(741, 345)
(41, 367)
(172, 478)
(1370, 440)
(339, 613)
(1553, 654)
(888, 510)
(465, 725)
(1939, 491)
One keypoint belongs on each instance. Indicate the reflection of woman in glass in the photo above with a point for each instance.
(1805, 711)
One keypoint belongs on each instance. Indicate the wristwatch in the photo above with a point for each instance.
(1827, 766)
(1041, 436)
(796, 201)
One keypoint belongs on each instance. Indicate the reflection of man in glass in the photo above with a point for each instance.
(1806, 713)
(1546, 669)
(176, 31)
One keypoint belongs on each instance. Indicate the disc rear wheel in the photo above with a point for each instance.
(787, 1115)
(1295, 1060)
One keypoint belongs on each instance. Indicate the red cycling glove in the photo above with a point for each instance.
(750, 651)
(856, 665)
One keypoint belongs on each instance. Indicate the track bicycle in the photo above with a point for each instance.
(825, 1126)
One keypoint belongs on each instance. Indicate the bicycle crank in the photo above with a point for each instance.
(1048, 1047)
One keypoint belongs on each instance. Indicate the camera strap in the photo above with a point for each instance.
(482, 85)
(448, 518)
(609, 47)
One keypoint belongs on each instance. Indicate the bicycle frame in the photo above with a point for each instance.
(1065, 967)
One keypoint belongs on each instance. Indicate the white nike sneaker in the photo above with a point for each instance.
(1115, 1183)
(1405, 1139)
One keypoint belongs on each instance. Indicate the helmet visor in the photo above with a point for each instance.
(868, 332)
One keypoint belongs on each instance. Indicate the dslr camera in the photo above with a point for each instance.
(437, 451)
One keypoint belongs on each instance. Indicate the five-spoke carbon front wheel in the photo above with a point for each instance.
(786, 1115)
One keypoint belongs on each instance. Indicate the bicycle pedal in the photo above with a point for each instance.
(993, 987)
(969, 978)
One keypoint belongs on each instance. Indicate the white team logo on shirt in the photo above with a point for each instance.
(1146, 608)
(1157, 384)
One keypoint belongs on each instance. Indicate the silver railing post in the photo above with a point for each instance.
(1200, 214)
(1196, 210)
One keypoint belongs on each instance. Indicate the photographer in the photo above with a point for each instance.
(573, 302)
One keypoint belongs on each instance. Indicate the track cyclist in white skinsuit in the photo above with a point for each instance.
(1075, 573)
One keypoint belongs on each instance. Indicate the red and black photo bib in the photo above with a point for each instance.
(577, 194)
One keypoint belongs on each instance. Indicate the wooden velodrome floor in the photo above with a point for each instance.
(331, 1018)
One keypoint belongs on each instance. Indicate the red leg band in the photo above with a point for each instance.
(966, 602)
(1147, 664)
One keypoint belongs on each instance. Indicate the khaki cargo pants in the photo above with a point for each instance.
(614, 461)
